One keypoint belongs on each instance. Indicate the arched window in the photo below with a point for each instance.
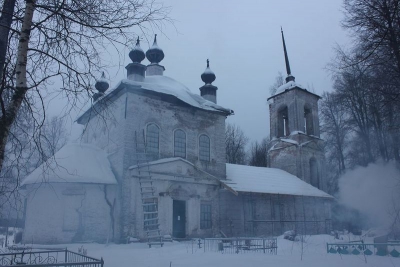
(152, 139)
(204, 148)
(180, 144)
(283, 122)
(308, 120)
(314, 176)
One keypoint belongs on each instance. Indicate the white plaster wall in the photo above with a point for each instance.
(45, 212)
(189, 186)
(143, 110)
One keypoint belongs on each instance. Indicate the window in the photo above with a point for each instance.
(314, 177)
(308, 121)
(180, 144)
(152, 139)
(205, 216)
(204, 148)
(283, 122)
(150, 216)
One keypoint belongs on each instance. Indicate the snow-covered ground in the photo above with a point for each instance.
(183, 254)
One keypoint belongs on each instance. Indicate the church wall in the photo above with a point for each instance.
(286, 158)
(52, 217)
(106, 131)
(170, 185)
(252, 214)
(143, 110)
(296, 159)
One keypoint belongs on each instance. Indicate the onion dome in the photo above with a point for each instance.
(208, 75)
(155, 53)
(137, 54)
(102, 84)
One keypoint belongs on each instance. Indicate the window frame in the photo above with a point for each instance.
(209, 148)
(185, 143)
(147, 138)
(205, 215)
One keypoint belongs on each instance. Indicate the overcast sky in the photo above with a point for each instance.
(242, 39)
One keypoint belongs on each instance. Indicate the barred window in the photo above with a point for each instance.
(152, 139)
(150, 216)
(204, 148)
(180, 144)
(205, 216)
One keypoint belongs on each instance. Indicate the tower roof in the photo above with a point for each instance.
(155, 54)
(137, 53)
(208, 75)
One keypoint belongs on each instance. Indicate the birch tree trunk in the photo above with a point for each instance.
(21, 88)
(5, 26)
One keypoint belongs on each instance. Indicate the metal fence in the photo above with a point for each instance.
(241, 245)
(380, 249)
(49, 258)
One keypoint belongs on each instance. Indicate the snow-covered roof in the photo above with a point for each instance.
(166, 85)
(288, 86)
(243, 178)
(74, 163)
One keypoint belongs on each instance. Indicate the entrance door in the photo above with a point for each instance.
(179, 219)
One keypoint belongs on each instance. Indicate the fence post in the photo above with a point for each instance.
(102, 262)
(264, 245)
(327, 248)
(66, 258)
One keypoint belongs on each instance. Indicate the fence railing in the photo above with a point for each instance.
(357, 248)
(49, 258)
(241, 245)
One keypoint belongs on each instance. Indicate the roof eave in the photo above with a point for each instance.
(296, 87)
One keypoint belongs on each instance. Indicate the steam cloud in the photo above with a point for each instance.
(373, 190)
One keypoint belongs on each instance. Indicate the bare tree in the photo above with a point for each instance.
(259, 153)
(235, 141)
(53, 136)
(65, 40)
(375, 25)
(279, 81)
(335, 128)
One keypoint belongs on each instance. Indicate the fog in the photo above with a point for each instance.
(373, 190)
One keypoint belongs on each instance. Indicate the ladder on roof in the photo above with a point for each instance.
(147, 193)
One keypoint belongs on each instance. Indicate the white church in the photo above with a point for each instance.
(152, 163)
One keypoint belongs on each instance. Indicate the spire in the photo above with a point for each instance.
(289, 74)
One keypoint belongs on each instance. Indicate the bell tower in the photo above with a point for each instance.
(296, 146)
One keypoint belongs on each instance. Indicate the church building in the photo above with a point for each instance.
(151, 163)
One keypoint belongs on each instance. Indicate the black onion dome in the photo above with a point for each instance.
(102, 84)
(137, 54)
(208, 75)
(155, 53)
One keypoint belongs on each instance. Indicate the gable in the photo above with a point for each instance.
(176, 169)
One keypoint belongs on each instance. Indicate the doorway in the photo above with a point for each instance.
(179, 219)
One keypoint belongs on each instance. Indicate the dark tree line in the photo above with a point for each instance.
(360, 118)
(237, 151)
